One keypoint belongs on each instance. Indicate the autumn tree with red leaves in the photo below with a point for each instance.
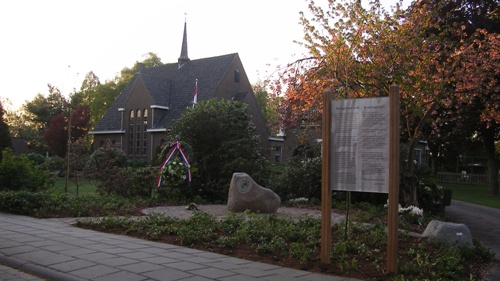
(358, 52)
(56, 136)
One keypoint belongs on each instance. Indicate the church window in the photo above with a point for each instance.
(144, 129)
(131, 133)
(138, 132)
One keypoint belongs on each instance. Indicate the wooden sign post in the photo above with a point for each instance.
(361, 153)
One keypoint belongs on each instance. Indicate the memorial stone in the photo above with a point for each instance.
(453, 234)
(246, 194)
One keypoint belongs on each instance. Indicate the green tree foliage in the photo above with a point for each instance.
(5, 140)
(41, 109)
(19, 173)
(89, 84)
(223, 141)
(107, 165)
(99, 96)
(269, 107)
(35, 117)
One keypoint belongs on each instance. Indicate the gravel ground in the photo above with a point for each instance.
(220, 211)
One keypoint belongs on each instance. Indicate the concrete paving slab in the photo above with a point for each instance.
(59, 251)
(72, 265)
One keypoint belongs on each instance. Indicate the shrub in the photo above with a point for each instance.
(20, 173)
(141, 181)
(56, 165)
(223, 141)
(36, 158)
(301, 178)
(430, 195)
(46, 204)
(107, 165)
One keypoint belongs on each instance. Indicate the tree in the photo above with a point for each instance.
(469, 39)
(42, 109)
(36, 116)
(5, 140)
(223, 141)
(56, 136)
(360, 52)
(101, 95)
(78, 157)
(268, 106)
(89, 85)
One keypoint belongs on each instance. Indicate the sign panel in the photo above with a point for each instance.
(359, 145)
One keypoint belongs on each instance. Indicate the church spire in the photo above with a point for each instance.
(184, 50)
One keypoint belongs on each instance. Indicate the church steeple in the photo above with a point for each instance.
(184, 50)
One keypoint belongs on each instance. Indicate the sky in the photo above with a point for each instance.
(58, 41)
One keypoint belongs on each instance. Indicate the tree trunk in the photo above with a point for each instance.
(408, 189)
(409, 181)
(489, 145)
(434, 162)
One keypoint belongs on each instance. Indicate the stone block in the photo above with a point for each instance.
(246, 194)
(453, 234)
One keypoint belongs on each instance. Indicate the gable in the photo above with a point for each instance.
(139, 96)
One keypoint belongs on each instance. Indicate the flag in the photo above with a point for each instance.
(195, 98)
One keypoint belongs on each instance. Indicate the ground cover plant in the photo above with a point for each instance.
(294, 242)
(45, 204)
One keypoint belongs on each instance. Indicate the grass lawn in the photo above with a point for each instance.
(476, 194)
(84, 186)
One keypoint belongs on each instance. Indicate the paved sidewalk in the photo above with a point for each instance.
(11, 274)
(54, 250)
(484, 225)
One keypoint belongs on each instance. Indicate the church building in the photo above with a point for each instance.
(138, 119)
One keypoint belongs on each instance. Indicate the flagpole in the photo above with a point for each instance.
(195, 98)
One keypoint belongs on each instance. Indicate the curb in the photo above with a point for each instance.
(37, 270)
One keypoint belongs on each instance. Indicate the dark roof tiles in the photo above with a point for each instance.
(172, 87)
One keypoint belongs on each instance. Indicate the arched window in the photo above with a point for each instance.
(144, 131)
(138, 132)
(131, 133)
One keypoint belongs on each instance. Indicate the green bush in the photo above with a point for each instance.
(223, 141)
(141, 181)
(36, 158)
(430, 195)
(56, 165)
(301, 177)
(20, 173)
(107, 164)
(46, 204)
